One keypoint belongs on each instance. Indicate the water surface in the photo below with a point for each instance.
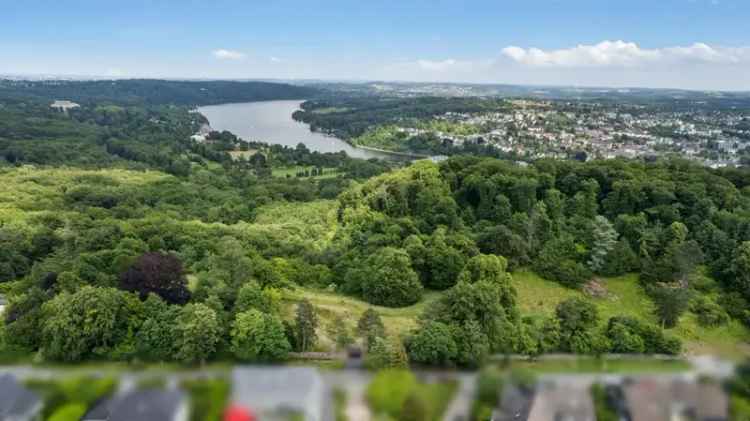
(272, 122)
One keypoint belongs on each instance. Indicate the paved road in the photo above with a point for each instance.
(460, 408)
(354, 383)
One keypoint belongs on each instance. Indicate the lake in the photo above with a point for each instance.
(272, 122)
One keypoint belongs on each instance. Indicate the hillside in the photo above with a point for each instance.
(539, 297)
(471, 257)
(151, 91)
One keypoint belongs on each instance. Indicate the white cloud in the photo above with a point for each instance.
(437, 65)
(624, 54)
(222, 54)
(275, 60)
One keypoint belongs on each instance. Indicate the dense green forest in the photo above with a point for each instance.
(347, 117)
(150, 91)
(121, 239)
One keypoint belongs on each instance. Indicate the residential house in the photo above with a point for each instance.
(142, 405)
(17, 403)
(569, 402)
(515, 404)
(277, 393)
(656, 400)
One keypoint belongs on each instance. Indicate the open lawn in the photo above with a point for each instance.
(626, 297)
(242, 154)
(537, 296)
(397, 321)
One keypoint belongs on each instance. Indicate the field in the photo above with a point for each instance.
(397, 321)
(626, 297)
(537, 296)
(242, 154)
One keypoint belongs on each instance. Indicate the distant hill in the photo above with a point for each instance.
(151, 91)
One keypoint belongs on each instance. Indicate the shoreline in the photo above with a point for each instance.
(388, 154)
(386, 151)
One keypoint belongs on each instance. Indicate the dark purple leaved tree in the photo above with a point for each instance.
(159, 273)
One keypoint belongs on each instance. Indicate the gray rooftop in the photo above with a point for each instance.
(271, 390)
(569, 403)
(142, 405)
(16, 401)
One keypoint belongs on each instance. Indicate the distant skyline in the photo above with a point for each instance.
(687, 44)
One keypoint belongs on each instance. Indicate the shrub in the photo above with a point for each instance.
(710, 314)
(625, 341)
(258, 336)
(389, 390)
(655, 341)
(387, 278)
(433, 344)
(69, 412)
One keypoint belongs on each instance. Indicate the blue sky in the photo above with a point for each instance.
(700, 44)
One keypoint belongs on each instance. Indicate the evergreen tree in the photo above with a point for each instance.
(605, 238)
(370, 327)
(306, 323)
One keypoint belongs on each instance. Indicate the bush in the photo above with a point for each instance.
(258, 336)
(655, 341)
(69, 412)
(389, 390)
(709, 313)
(557, 262)
(624, 341)
(387, 278)
(736, 306)
(433, 344)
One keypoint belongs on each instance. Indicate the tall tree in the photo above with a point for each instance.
(306, 321)
(605, 238)
(258, 336)
(370, 327)
(159, 273)
(198, 332)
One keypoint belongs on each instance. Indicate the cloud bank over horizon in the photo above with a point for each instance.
(607, 63)
(621, 53)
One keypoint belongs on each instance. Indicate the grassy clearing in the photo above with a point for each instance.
(537, 296)
(397, 321)
(731, 341)
(242, 154)
(312, 221)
